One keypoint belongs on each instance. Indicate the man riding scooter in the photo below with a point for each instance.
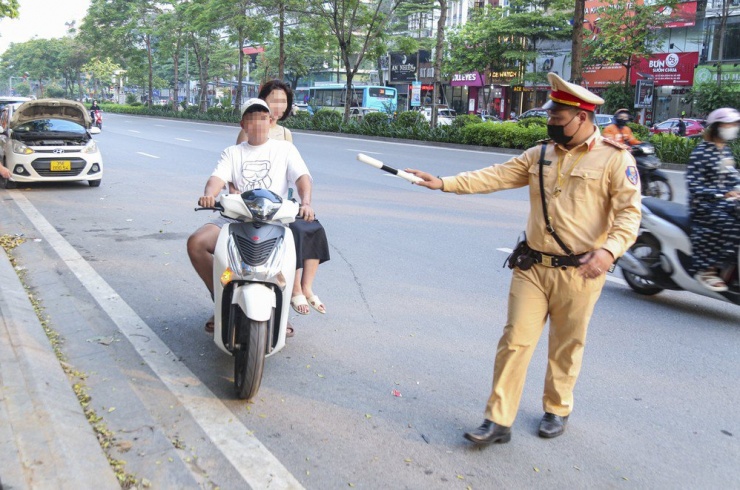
(654, 182)
(619, 131)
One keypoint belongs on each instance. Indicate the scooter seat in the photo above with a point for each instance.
(673, 212)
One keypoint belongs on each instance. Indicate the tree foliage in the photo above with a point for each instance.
(8, 8)
(626, 32)
(710, 96)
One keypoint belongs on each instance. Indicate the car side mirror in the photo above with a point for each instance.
(94, 130)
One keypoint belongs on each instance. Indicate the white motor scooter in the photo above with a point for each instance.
(661, 256)
(253, 272)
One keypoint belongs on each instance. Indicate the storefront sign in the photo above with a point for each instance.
(471, 79)
(403, 66)
(667, 68)
(708, 74)
(683, 15)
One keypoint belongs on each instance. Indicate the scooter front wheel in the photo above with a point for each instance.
(249, 359)
(660, 187)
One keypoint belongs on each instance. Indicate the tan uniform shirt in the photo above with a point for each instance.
(598, 205)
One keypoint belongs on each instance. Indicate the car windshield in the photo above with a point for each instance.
(49, 126)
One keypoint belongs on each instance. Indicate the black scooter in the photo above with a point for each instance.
(654, 182)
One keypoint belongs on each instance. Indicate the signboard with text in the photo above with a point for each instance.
(644, 94)
(667, 68)
(404, 66)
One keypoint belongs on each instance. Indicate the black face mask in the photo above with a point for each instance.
(621, 123)
(557, 132)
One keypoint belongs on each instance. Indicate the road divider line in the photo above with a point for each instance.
(254, 462)
(146, 154)
(365, 151)
(134, 131)
(609, 277)
(182, 139)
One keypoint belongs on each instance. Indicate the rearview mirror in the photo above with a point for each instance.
(94, 130)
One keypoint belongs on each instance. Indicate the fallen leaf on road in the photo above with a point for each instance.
(367, 416)
(124, 446)
(536, 469)
(460, 477)
(111, 409)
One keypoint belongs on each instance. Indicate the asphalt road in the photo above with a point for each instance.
(416, 300)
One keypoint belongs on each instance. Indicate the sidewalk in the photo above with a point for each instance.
(45, 438)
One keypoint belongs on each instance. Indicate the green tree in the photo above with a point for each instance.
(628, 31)
(710, 96)
(355, 24)
(40, 59)
(9, 8)
(203, 24)
(101, 72)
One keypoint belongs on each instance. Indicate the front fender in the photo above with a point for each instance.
(256, 300)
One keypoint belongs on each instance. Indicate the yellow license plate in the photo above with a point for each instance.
(61, 165)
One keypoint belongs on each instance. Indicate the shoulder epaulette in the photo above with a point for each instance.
(546, 140)
(615, 144)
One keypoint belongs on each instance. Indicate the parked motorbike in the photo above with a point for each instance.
(661, 256)
(654, 182)
(253, 273)
(97, 118)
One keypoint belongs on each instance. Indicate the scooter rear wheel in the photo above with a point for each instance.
(647, 250)
(249, 360)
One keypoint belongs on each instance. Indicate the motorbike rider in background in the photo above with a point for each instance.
(94, 107)
(619, 131)
(714, 199)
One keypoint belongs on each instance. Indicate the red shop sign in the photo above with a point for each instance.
(667, 68)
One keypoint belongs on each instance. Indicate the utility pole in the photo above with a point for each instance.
(576, 56)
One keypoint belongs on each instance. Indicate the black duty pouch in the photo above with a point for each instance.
(520, 257)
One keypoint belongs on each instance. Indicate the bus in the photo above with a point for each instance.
(383, 99)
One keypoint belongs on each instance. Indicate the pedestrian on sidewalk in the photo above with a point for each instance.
(590, 189)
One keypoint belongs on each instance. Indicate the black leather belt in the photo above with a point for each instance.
(555, 260)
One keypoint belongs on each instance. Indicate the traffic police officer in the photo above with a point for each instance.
(592, 196)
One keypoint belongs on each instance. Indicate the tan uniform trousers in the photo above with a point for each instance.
(535, 294)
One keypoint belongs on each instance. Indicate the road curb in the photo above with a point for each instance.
(45, 438)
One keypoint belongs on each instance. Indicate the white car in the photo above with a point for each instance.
(444, 116)
(49, 140)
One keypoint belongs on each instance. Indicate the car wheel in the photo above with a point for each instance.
(95, 183)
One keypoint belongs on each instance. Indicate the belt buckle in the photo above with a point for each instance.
(546, 260)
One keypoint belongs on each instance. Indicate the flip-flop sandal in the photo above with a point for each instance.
(316, 304)
(209, 324)
(289, 332)
(299, 300)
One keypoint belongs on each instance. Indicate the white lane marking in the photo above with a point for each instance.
(160, 125)
(254, 462)
(181, 139)
(202, 131)
(133, 131)
(365, 151)
(147, 154)
(608, 277)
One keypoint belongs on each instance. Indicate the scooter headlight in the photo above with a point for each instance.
(262, 208)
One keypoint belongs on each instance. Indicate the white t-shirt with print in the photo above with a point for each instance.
(273, 165)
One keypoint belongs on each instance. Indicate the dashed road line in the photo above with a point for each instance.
(146, 154)
(182, 139)
(134, 131)
(254, 462)
(365, 151)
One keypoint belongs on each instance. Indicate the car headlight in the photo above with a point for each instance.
(20, 148)
(90, 147)
(268, 271)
